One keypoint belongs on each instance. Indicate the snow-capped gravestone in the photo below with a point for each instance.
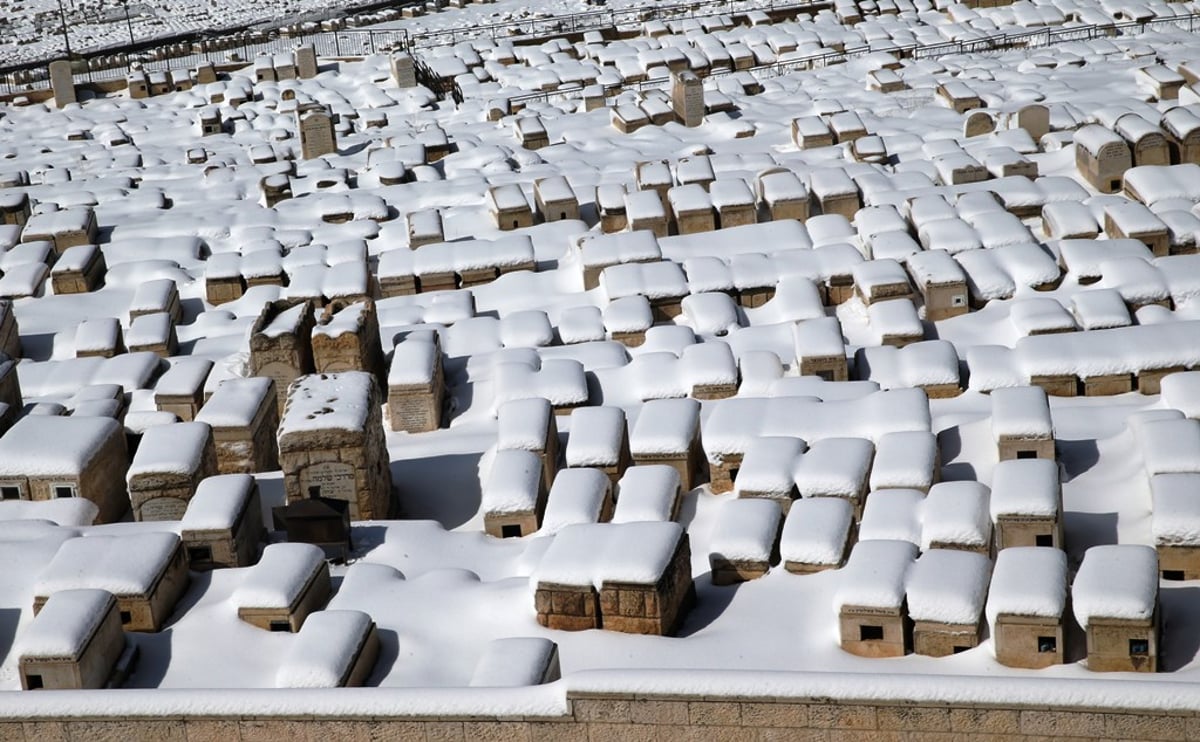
(630, 577)
(281, 344)
(687, 98)
(306, 62)
(1025, 606)
(1026, 503)
(945, 591)
(14, 207)
(1021, 423)
(555, 200)
(73, 643)
(78, 270)
(517, 661)
(289, 582)
(223, 524)
(745, 540)
(404, 73)
(416, 385)
(331, 443)
(146, 571)
(817, 535)
(46, 457)
(599, 439)
(315, 125)
(667, 431)
(1102, 157)
(530, 425)
(1115, 600)
(62, 82)
(244, 416)
(870, 599)
(514, 494)
(167, 468)
(334, 649)
(346, 338)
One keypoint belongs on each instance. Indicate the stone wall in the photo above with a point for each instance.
(627, 716)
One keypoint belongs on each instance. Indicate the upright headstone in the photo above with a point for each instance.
(62, 82)
(977, 124)
(687, 98)
(1035, 119)
(316, 131)
(306, 62)
(403, 71)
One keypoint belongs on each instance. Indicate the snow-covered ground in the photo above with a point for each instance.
(438, 588)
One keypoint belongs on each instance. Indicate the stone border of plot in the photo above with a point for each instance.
(634, 704)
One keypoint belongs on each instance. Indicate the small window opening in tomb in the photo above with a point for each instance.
(562, 215)
(958, 301)
(1047, 644)
(957, 650)
(1114, 184)
(1173, 574)
(314, 491)
(280, 626)
(510, 531)
(514, 224)
(870, 633)
(34, 682)
(1139, 647)
(64, 491)
(1026, 454)
(827, 375)
(199, 553)
(733, 473)
(126, 617)
(1044, 539)
(10, 493)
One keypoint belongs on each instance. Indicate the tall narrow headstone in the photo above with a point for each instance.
(316, 131)
(62, 82)
(687, 98)
(306, 62)
(403, 71)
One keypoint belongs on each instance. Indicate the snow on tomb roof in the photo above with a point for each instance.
(170, 449)
(893, 514)
(1028, 581)
(665, 426)
(595, 553)
(577, 496)
(1027, 487)
(948, 586)
(185, 376)
(338, 401)
(65, 624)
(1100, 309)
(1093, 137)
(1116, 582)
(63, 511)
(285, 322)
(746, 530)
(1181, 391)
(324, 650)
(507, 197)
(874, 575)
(646, 492)
(218, 502)
(904, 459)
(122, 565)
(815, 530)
(834, 467)
(235, 402)
(281, 573)
(689, 198)
(1175, 519)
(522, 424)
(1021, 412)
(414, 359)
(765, 237)
(513, 661)
(768, 465)
(512, 482)
(596, 436)
(1170, 446)
(47, 446)
(956, 513)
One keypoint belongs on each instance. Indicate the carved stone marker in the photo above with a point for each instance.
(62, 82)
(687, 98)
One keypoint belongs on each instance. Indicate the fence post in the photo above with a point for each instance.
(337, 44)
